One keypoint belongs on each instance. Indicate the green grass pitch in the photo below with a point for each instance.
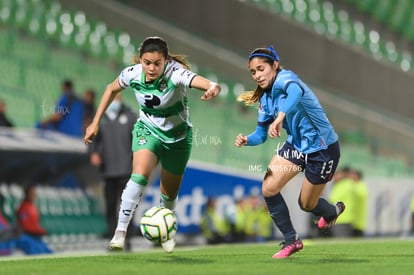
(333, 256)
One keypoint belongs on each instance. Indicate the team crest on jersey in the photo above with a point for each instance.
(142, 141)
(163, 85)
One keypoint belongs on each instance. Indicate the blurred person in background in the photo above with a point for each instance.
(214, 227)
(67, 115)
(89, 107)
(4, 120)
(229, 214)
(412, 215)
(111, 153)
(28, 216)
(312, 145)
(240, 225)
(258, 224)
(361, 204)
(11, 238)
(163, 132)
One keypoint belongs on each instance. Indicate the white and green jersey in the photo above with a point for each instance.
(163, 102)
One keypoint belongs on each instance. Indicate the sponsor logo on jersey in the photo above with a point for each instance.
(142, 141)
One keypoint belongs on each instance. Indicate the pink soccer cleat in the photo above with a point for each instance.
(288, 249)
(323, 224)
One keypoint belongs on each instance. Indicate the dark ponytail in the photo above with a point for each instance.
(158, 44)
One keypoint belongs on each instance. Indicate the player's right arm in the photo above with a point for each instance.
(108, 96)
(259, 136)
(241, 140)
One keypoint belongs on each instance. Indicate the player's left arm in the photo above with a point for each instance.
(294, 93)
(211, 89)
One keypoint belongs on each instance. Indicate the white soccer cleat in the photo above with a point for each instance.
(118, 241)
(169, 245)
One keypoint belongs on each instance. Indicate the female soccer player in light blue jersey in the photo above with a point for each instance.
(163, 132)
(311, 146)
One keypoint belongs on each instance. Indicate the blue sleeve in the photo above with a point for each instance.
(62, 103)
(294, 93)
(258, 136)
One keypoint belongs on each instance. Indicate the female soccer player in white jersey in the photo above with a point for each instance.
(311, 146)
(163, 132)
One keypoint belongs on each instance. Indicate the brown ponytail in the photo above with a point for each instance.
(251, 97)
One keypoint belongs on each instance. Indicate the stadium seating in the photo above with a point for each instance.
(396, 15)
(327, 20)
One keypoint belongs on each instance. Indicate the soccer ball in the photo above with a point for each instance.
(158, 224)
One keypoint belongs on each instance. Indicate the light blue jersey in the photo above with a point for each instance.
(306, 123)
